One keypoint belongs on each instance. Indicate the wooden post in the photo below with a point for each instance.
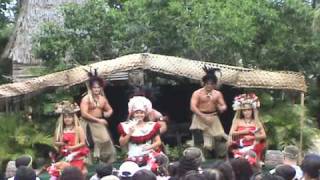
(302, 117)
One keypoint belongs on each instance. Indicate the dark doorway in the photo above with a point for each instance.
(172, 101)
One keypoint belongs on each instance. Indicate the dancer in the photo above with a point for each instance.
(205, 103)
(94, 108)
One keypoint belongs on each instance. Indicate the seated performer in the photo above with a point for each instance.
(247, 134)
(69, 139)
(140, 135)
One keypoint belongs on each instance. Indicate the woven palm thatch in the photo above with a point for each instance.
(235, 76)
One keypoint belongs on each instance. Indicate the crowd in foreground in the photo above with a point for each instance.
(189, 167)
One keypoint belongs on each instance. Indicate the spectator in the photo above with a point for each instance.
(25, 173)
(241, 168)
(190, 161)
(311, 166)
(193, 175)
(225, 168)
(110, 177)
(144, 175)
(71, 173)
(23, 161)
(10, 169)
(212, 174)
(102, 170)
(128, 169)
(286, 171)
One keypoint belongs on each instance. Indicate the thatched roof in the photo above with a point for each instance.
(32, 14)
(235, 76)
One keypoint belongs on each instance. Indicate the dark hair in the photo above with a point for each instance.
(193, 175)
(144, 175)
(285, 171)
(24, 160)
(213, 174)
(71, 173)
(242, 116)
(241, 168)
(311, 165)
(173, 169)
(225, 168)
(104, 170)
(25, 173)
(94, 78)
(210, 74)
(271, 177)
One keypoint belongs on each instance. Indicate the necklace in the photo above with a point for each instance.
(247, 121)
(68, 128)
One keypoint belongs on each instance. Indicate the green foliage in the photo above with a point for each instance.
(282, 123)
(18, 137)
(174, 153)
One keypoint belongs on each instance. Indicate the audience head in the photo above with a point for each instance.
(104, 170)
(173, 169)
(71, 173)
(285, 171)
(25, 160)
(144, 174)
(213, 174)
(271, 177)
(225, 168)
(110, 177)
(291, 153)
(128, 169)
(311, 166)
(193, 175)
(25, 173)
(241, 168)
(191, 159)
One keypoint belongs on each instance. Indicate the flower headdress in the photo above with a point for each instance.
(139, 103)
(66, 107)
(245, 101)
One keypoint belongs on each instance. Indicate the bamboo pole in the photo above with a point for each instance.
(302, 117)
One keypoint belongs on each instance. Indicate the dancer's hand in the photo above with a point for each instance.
(248, 138)
(131, 130)
(102, 121)
(146, 148)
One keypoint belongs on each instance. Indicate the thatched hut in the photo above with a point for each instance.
(161, 65)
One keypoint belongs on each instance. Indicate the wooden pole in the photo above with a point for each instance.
(302, 117)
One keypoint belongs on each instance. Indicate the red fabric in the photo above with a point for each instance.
(246, 142)
(141, 139)
(70, 139)
(258, 148)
